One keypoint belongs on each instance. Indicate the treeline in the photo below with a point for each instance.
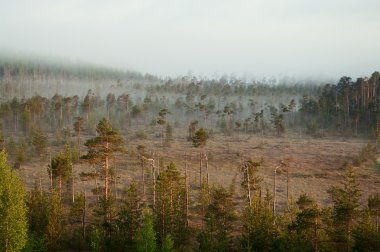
(351, 106)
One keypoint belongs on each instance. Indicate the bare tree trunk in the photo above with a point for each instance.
(207, 173)
(51, 172)
(187, 193)
(72, 175)
(115, 177)
(154, 184)
(248, 186)
(97, 187)
(143, 177)
(84, 217)
(106, 174)
(200, 168)
(287, 186)
(274, 191)
(60, 187)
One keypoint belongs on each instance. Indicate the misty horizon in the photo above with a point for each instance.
(249, 39)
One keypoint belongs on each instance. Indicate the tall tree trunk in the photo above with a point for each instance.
(143, 177)
(287, 187)
(200, 168)
(106, 173)
(187, 192)
(73, 181)
(154, 184)
(84, 217)
(274, 191)
(60, 187)
(248, 186)
(207, 173)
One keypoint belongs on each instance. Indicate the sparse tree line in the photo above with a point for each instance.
(163, 217)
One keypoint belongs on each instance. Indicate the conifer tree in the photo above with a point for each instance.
(259, 229)
(78, 128)
(199, 141)
(55, 224)
(216, 235)
(60, 168)
(129, 217)
(345, 208)
(146, 236)
(101, 148)
(170, 208)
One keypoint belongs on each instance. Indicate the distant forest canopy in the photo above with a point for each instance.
(346, 107)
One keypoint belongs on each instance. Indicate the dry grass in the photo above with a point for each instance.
(314, 166)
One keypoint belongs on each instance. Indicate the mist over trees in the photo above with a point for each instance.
(72, 123)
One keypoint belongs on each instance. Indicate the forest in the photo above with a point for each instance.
(98, 159)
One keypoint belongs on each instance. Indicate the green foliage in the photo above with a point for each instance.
(77, 209)
(13, 211)
(146, 236)
(366, 235)
(55, 224)
(345, 208)
(168, 244)
(367, 153)
(61, 165)
(216, 235)
(200, 138)
(259, 229)
(38, 211)
(95, 239)
(1, 137)
(129, 217)
(277, 121)
(313, 130)
(170, 205)
(39, 142)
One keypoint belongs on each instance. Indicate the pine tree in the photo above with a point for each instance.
(259, 229)
(170, 208)
(13, 211)
(39, 142)
(216, 235)
(346, 202)
(199, 141)
(78, 128)
(60, 168)
(101, 148)
(129, 217)
(304, 230)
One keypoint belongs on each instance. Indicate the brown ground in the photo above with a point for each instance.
(314, 166)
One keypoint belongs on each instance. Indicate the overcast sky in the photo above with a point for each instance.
(300, 38)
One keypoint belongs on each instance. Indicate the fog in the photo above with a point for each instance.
(326, 38)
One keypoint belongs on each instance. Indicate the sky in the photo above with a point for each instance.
(262, 38)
